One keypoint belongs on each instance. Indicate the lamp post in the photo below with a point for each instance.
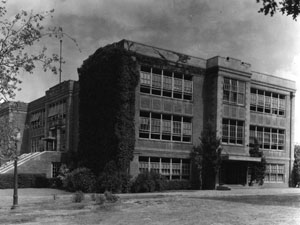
(17, 139)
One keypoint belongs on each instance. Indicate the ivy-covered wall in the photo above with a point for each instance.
(108, 80)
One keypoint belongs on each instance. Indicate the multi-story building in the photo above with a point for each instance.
(178, 95)
(49, 129)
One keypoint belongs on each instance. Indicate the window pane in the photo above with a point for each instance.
(167, 83)
(253, 99)
(177, 84)
(156, 81)
(145, 78)
(144, 124)
(155, 125)
(176, 127)
(188, 86)
(166, 126)
(187, 128)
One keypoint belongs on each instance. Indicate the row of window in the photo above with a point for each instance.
(171, 168)
(165, 127)
(269, 138)
(57, 108)
(166, 83)
(267, 102)
(274, 173)
(37, 119)
(234, 91)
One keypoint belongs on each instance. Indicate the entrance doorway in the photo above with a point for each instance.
(233, 172)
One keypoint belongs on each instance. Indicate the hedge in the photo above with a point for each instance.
(24, 181)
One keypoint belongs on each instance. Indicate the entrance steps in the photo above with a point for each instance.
(9, 166)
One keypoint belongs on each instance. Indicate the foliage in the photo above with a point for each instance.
(288, 7)
(80, 179)
(100, 199)
(24, 181)
(197, 161)
(9, 138)
(113, 180)
(296, 167)
(206, 158)
(257, 169)
(149, 182)
(110, 197)
(19, 38)
(78, 196)
(108, 80)
(178, 185)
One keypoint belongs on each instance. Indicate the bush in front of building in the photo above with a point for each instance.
(113, 180)
(80, 179)
(24, 181)
(149, 182)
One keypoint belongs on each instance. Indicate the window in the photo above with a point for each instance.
(233, 91)
(172, 168)
(232, 131)
(274, 173)
(267, 102)
(165, 127)
(166, 83)
(55, 168)
(268, 138)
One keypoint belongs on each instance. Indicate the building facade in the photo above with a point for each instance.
(176, 96)
(49, 129)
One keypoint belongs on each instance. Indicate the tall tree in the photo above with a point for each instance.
(257, 169)
(288, 7)
(19, 37)
(206, 157)
(296, 167)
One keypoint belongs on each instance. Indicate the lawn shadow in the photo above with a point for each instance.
(270, 200)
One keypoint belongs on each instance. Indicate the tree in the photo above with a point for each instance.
(206, 158)
(288, 7)
(257, 169)
(8, 138)
(19, 37)
(296, 167)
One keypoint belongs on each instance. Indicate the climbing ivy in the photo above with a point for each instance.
(108, 81)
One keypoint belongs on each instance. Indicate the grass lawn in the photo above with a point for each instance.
(195, 207)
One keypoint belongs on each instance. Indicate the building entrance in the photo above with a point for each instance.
(233, 172)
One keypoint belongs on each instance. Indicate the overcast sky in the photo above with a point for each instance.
(202, 28)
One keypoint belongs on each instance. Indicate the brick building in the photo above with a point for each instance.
(49, 128)
(178, 94)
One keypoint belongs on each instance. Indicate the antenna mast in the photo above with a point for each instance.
(60, 59)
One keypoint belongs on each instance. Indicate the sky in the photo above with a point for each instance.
(201, 28)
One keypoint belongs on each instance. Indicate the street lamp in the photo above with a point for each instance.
(17, 139)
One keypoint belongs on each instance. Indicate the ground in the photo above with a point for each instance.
(238, 206)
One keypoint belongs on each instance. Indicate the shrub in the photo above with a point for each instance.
(80, 179)
(55, 182)
(100, 199)
(24, 181)
(110, 197)
(149, 182)
(113, 180)
(179, 185)
(78, 196)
